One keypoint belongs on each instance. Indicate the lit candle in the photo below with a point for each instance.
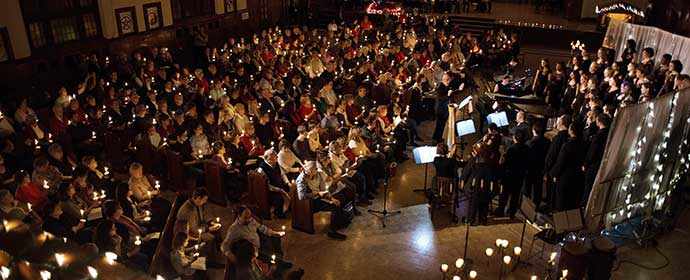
(4, 272)
(45, 185)
(45, 275)
(137, 240)
(92, 272)
(110, 258)
(60, 259)
(28, 205)
(444, 268)
(459, 263)
(473, 274)
(517, 251)
(506, 259)
(273, 259)
(489, 252)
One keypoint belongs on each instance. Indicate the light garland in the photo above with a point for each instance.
(654, 197)
(374, 9)
(531, 24)
(619, 6)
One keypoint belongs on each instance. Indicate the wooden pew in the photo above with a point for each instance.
(258, 193)
(160, 263)
(114, 148)
(147, 155)
(176, 172)
(302, 214)
(214, 183)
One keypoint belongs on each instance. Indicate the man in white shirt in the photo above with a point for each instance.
(311, 184)
(265, 240)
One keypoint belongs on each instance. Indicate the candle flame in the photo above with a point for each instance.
(60, 259)
(92, 272)
(110, 258)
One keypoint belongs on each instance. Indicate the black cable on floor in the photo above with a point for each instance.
(666, 260)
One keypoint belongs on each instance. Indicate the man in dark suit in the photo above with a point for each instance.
(557, 142)
(538, 148)
(442, 93)
(278, 183)
(514, 171)
(594, 154)
(520, 123)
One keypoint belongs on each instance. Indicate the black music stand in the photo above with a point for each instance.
(384, 213)
(529, 212)
(424, 155)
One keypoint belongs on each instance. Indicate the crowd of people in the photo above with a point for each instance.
(581, 97)
(323, 112)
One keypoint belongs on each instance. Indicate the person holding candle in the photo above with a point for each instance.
(73, 207)
(29, 191)
(9, 209)
(136, 212)
(233, 182)
(193, 217)
(266, 241)
(44, 172)
(53, 223)
(107, 238)
(199, 143)
(288, 161)
(311, 184)
(94, 176)
(245, 263)
(278, 183)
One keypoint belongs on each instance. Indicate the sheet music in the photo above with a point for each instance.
(199, 263)
(153, 235)
(465, 101)
(499, 118)
(528, 209)
(425, 154)
(465, 127)
(94, 214)
(566, 221)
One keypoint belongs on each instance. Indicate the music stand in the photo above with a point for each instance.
(465, 127)
(424, 155)
(551, 123)
(499, 118)
(529, 212)
(382, 214)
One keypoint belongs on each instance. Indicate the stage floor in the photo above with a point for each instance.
(527, 14)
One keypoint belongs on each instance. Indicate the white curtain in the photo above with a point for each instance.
(661, 41)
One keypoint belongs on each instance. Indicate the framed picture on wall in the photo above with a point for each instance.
(5, 47)
(153, 15)
(126, 20)
(241, 5)
(229, 6)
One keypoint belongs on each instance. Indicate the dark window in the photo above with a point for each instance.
(37, 31)
(90, 25)
(52, 22)
(64, 29)
(192, 8)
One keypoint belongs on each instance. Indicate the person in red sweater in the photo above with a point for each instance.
(306, 110)
(30, 192)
